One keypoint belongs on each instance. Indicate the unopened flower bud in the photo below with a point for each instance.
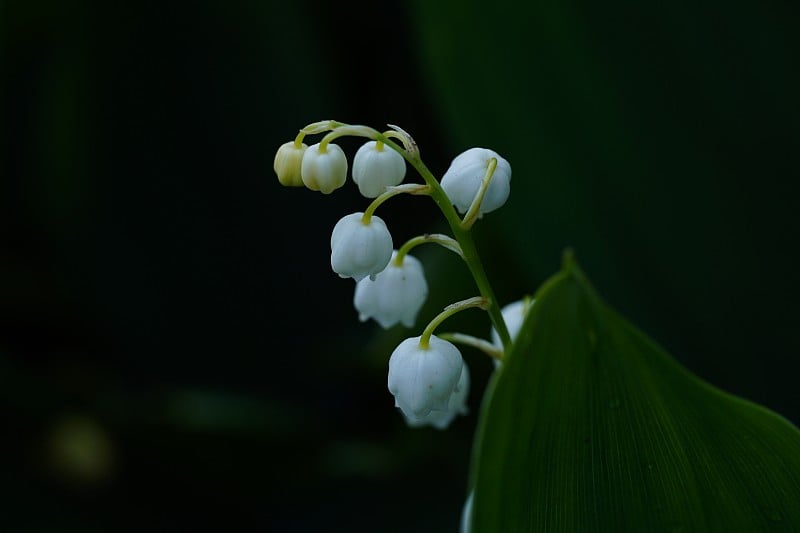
(324, 171)
(376, 167)
(395, 295)
(360, 249)
(462, 181)
(456, 406)
(288, 160)
(422, 379)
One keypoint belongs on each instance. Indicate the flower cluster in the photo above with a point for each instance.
(427, 376)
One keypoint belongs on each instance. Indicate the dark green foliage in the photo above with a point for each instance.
(591, 426)
(660, 142)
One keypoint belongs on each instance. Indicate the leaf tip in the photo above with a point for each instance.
(568, 261)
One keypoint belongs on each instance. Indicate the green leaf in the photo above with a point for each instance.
(590, 426)
(635, 133)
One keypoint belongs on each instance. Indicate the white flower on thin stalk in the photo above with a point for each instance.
(395, 295)
(456, 406)
(360, 248)
(288, 162)
(376, 167)
(324, 168)
(422, 378)
(462, 181)
(513, 315)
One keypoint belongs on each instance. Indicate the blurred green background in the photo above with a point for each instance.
(175, 352)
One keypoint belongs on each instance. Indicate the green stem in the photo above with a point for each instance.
(322, 126)
(406, 188)
(462, 235)
(475, 207)
(436, 238)
(450, 310)
(348, 130)
(468, 340)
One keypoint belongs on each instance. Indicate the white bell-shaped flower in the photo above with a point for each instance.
(395, 295)
(423, 379)
(466, 513)
(513, 315)
(456, 406)
(324, 171)
(360, 249)
(376, 167)
(287, 163)
(462, 181)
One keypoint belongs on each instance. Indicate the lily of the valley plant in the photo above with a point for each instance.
(427, 374)
(611, 470)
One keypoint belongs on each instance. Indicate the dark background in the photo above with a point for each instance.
(175, 352)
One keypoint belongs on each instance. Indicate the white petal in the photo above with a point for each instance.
(395, 295)
(457, 405)
(463, 178)
(360, 250)
(422, 380)
(466, 514)
(374, 170)
(324, 171)
(513, 315)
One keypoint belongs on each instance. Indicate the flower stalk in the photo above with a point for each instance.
(408, 188)
(462, 235)
(450, 310)
(475, 207)
(436, 238)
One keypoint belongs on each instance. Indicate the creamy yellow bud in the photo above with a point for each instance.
(288, 162)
